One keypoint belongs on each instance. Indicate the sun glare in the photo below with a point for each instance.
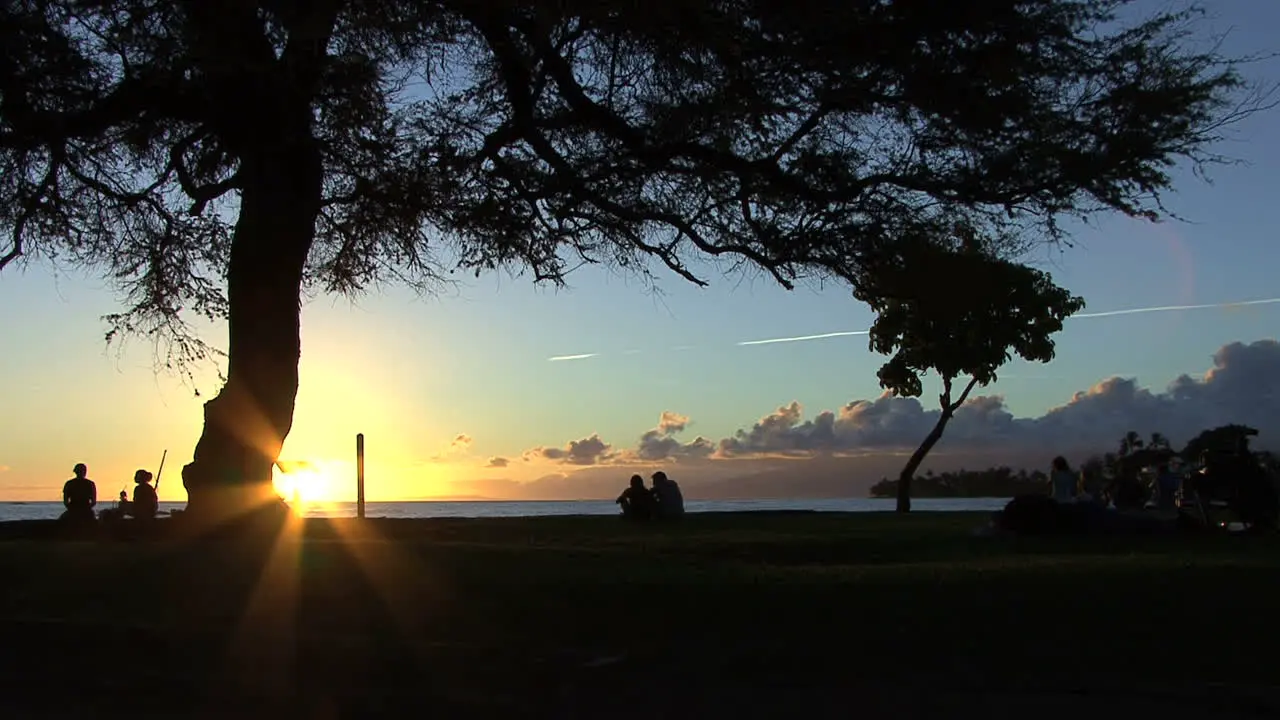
(305, 483)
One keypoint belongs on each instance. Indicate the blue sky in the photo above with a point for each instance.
(415, 373)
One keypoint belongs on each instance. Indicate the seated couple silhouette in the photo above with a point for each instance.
(663, 500)
(80, 498)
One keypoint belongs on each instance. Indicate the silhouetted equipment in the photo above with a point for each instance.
(360, 475)
(160, 470)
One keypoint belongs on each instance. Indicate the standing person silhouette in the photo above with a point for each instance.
(79, 496)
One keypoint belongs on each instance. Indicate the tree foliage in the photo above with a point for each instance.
(959, 311)
(542, 135)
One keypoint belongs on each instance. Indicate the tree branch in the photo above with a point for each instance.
(515, 75)
(973, 382)
(28, 212)
(131, 99)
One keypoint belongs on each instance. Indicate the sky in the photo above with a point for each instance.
(499, 389)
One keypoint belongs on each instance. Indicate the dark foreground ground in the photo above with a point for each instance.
(800, 615)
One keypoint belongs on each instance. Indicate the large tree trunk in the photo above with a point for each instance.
(259, 102)
(246, 424)
(917, 457)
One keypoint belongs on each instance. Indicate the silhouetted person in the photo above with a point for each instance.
(667, 493)
(1167, 484)
(79, 496)
(1126, 491)
(145, 501)
(1092, 488)
(637, 501)
(1062, 481)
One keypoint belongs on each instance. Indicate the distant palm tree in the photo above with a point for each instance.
(1132, 442)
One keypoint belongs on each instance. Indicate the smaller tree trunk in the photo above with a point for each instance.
(913, 464)
(917, 457)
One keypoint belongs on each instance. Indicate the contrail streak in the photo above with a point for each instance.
(850, 333)
(1107, 313)
(802, 338)
(1177, 308)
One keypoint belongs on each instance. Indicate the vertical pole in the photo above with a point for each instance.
(360, 475)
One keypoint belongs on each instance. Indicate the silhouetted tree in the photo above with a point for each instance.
(997, 482)
(957, 310)
(218, 158)
(1130, 443)
(1225, 438)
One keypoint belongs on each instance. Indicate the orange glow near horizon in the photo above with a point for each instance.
(307, 483)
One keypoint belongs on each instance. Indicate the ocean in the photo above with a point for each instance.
(504, 508)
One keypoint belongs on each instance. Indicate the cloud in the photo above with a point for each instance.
(845, 449)
(671, 422)
(459, 445)
(498, 462)
(661, 444)
(4, 468)
(587, 451)
(1242, 386)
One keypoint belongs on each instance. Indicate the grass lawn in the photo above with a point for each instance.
(539, 616)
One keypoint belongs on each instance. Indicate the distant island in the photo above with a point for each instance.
(998, 482)
(1133, 455)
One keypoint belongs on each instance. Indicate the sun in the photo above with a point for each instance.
(304, 482)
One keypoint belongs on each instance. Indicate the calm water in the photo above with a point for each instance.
(428, 509)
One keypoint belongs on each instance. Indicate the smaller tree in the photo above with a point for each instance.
(1130, 443)
(1226, 438)
(960, 311)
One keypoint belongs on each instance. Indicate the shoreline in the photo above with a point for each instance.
(165, 520)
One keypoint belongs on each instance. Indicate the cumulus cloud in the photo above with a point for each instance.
(657, 444)
(587, 451)
(461, 442)
(660, 443)
(498, 462)
(1242, 386)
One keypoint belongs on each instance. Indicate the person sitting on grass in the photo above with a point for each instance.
(636, 501)
(667, 493)
(1063, 482)
(118, 511)
(145, 501)
(79, 496)
(1092, 488)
